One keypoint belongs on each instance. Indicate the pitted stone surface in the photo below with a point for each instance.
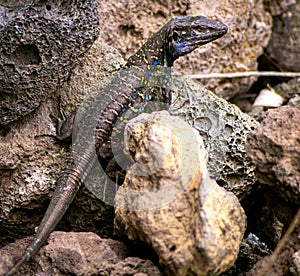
(290, 91)
(223, 127)
(32, 159)
(41, 42)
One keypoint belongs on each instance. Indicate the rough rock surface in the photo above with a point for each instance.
(223, 127)
(284, 45)
(169, 202)
(274, 148)
(277, 7)
(99, 62)
(251, 251)
(129, 23)
(274, 218)
(290, 91)
(78, 254)
(285, 259)
(41, 42)
(31, 162)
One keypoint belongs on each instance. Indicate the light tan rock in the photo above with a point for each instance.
(169, 201)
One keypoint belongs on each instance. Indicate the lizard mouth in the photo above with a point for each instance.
(198, 38)
(201, 37)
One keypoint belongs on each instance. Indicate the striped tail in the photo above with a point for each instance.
(67, 187)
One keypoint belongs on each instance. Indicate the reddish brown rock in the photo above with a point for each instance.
(77, 254)
(277, 7)
(274, 148)
(274, 218)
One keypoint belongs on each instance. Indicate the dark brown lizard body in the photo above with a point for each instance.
(126, 89)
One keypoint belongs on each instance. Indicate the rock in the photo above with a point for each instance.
(77, 254)
(277, 7)
(290, 91)
(99, 62)
(274, 218)
(274, 148)
(32, 160)
(296, 262)
(284, 45)
(287, 93)
(283, 261)
(41, 42)
(223, 128)
(251, 251)
(130, 23)
(169, 202)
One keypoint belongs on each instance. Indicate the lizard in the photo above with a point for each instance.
(178, 37)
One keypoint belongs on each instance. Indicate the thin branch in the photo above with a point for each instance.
(283, 242)
(246, 74)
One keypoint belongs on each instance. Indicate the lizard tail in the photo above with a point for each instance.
(67, 187)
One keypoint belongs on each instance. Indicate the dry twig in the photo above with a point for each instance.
(280, 245)
(246, 74)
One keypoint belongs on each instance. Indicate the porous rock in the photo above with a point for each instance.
(32, 159)
(169, 202)
(130, 23)
(274, 148)
(41, 42)
(284, 45)
(223, 127)
(77, 254)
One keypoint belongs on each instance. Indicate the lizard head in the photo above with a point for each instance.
(186, 33)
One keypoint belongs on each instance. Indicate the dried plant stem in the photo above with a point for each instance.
(280, 245)
(246, 74)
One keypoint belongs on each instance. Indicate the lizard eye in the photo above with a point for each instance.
(175, 36)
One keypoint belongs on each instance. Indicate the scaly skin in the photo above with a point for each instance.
(176, 38)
